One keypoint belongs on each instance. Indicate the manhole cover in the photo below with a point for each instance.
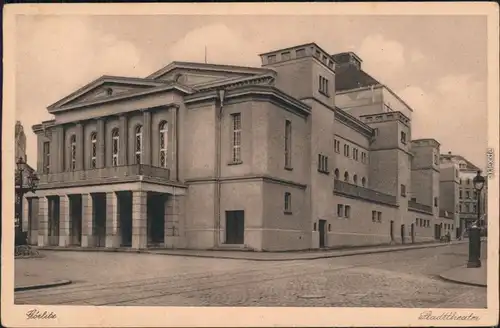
(311, 296)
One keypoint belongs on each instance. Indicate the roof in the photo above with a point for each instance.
(209, 67)
(350, 77)
(470, 166)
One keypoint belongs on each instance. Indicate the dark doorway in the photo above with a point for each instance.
(75, 208)
(156, 219)
(392, 231)
(412, 232)
(235, 227)
(53, 221)
(99, 219)
(322, 233)
(437, 231)
(125, 217)
(403, 240)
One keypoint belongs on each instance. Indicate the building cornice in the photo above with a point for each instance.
(208, 67)
(264, 178)
(260, 92)
(353, 122)
(267, 78)
(386, 117)
(172, 86)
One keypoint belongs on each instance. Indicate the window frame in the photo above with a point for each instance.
(163, 149)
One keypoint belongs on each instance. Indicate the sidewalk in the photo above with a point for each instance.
(266, 256)
(470, 276)
(467, 276)
(33, 281)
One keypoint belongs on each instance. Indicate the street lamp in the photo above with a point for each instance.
(474, 231)
(22, 187)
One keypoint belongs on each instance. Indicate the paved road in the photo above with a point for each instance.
(398, 279)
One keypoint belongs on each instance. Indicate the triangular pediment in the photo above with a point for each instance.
(194, 74)
(106, 87)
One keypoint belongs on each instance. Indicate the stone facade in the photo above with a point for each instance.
(205, 156)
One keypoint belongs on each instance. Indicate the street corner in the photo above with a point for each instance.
(467, 276)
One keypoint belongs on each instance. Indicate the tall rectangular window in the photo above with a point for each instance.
(347, 213)
(323, 86)
(336, 145)
(340, 210)
(288, 202)
(236, 138)
(403, 190)
(374, 216)
(115, 146)
(46, 157)
(288, 144)
(379, 216)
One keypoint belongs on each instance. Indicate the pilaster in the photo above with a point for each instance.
(25, 214)
(79, 146)
(172, 143)
(88, 239)
(146, 137)
(139, 219)
(113, 239)
(174, 221)
(64, 221)
(123, 146)
(43, 221)
(101, 137)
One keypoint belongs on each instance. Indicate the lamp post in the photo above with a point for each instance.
(21, 188)
(474, 231)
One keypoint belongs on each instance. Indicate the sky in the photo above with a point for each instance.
(437, 64)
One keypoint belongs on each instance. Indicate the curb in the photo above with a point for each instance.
(353, 253)
(40, 286)
(462, 282)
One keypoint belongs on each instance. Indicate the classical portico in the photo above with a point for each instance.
(137, 215)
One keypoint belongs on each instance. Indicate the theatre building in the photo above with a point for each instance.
(205, 156)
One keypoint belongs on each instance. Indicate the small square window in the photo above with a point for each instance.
(403, 190)
(285, 55)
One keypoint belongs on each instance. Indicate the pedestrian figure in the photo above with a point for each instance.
(448, 237)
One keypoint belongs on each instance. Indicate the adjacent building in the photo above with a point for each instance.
(465, 195)
(306, 151)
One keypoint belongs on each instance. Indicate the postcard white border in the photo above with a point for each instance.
(86, 316)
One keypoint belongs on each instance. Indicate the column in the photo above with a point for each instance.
(101, 142)
(43, 221)
(172, 143)
(139, 219)
(113, 238)
(64, 221)
(39, 152)
(54, 150)
(88, 239)
(80, 143)
(174, 221)
(60, 149)
(123, 156)
(146, 137)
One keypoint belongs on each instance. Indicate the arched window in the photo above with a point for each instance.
(72, 163)
(336, 174)
(138, 144)
(93, 148)
(355, 179)
(363, 182)
(163, 143)
(115, 146)
(346, 176)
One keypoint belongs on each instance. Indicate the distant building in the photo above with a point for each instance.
(20, 153)
(465, 196)
(307, 151)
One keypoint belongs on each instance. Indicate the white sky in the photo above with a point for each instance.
(437, 64)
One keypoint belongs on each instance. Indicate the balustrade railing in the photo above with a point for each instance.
(113, 172)
(363, 193)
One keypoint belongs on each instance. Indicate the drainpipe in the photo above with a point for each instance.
(218, 168)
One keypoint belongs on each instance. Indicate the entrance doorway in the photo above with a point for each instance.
(322, 233)
(125, 217)
(412, 232)
(392, 231)
(156, 219)
(437, 231)
(403, 234)
(75, 213)
(99, 219)
(235, 227)
(53, 221)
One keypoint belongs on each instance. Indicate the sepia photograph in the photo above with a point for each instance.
(250, 164)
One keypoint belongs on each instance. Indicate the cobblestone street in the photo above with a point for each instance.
(395, 279)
